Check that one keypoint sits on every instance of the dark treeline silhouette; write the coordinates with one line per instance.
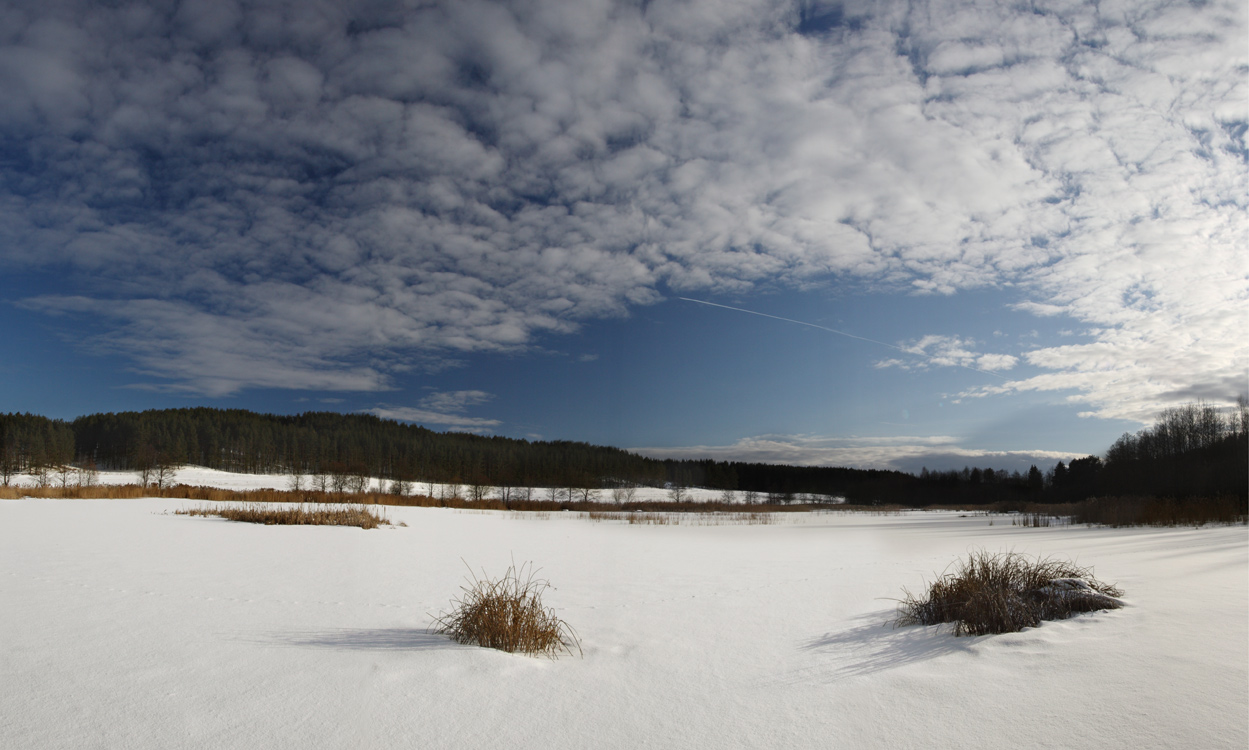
(1192, 450)
(30, 443)
(1063, 483)
(365, 445)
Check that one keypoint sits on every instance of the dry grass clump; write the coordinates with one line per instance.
(507, 614)
(318, 515)
(1005, 593)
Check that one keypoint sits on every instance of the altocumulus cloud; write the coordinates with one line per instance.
(324, 193)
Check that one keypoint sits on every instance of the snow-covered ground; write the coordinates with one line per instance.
(123, 625)
(199, 476)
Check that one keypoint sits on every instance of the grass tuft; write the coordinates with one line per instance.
(300, 515)
(507, 614)
(1005, 593)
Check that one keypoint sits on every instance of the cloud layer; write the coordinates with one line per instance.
(445, 409)
(903, 453)
(320, 195)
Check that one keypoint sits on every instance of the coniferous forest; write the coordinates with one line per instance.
(1193, 450)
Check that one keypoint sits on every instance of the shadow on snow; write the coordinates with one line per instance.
(373, 639)
(873, 645)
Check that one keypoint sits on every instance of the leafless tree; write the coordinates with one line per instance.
(87, 475)
(42, 474)
(585, 494)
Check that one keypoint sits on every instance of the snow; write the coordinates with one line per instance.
(199, 476)
(229, 480)
(124, 625)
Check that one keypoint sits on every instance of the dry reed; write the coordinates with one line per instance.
(1161, 511)
(507, 614)
(1004, 593)
(320, 515)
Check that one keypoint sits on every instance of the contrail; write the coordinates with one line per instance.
(839, 333)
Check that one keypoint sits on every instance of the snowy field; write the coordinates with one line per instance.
(199, 476)
(123, 625)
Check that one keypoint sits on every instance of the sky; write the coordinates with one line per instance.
(875, 234)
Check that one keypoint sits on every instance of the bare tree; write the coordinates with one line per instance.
(678, 493)
(728, 497)
(162, 475)
(750, 497)
(586, 494)
(165, 468)
(87, 475)
(359, 482)
(42, 474)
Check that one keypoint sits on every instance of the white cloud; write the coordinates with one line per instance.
(455, 401)
(305, 195)
(444, 409)
(904, 453)
(947, 351)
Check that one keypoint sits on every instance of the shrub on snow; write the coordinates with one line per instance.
(1004, 593)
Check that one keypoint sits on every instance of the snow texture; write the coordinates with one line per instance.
(124, 625)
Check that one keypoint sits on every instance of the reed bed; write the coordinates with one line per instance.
(1161, 511)
(362, 516)
(743, 518)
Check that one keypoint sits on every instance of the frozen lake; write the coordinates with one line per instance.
(126, 626)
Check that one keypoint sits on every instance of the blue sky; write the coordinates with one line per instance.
(490, 216)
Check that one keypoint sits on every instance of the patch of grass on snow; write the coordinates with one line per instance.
(1006, 592)
(318, 515)
(507, 614)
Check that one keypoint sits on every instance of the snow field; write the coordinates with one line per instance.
(126, 626)
(199, 476)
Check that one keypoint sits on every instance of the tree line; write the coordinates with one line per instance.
(1191, 450)
(1194, 450)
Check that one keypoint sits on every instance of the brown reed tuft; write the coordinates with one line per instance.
(317, 515)
(1005, 593)
(507, 614)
